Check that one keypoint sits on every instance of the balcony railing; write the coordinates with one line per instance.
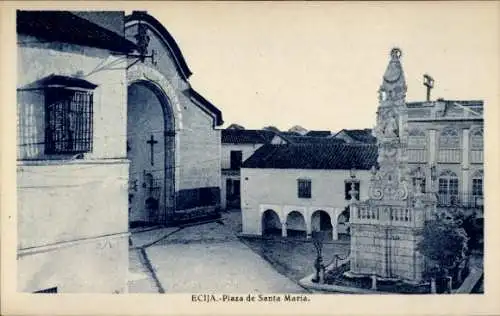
(466, 200)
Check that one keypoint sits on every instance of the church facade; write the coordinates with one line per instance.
(173, 145)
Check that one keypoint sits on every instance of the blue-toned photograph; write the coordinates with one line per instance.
(250, 153)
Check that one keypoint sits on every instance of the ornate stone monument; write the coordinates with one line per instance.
(385, 228)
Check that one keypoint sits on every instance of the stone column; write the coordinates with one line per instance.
(465, 148)
(465, 181)
(334, 222)
(374, 282)
(465, 160)
(283, 229)
(432, 147)
(307, 219)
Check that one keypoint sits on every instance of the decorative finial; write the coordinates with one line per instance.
(396, 53)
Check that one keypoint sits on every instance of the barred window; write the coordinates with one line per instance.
(63, 121)
(68, 121)
(304, 188)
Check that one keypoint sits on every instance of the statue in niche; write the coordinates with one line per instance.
(391, 128)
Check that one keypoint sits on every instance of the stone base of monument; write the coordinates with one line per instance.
(340, 280)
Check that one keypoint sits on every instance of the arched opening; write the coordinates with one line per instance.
(343, 228)
(150, 149)
(321, 222)
(296, 225)
(271, 225)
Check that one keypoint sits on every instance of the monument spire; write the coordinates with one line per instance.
(393, 85)
(391, 133)
(388, 222)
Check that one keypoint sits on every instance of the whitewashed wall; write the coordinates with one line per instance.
(247, 150)
(65, 207)
(276, 189)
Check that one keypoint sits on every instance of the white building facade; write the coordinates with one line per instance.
(72, 171)
(296, 189)
(237, 146)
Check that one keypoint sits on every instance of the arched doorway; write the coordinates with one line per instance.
(271, 225)
(150, 149)
(321, 222)
(296, 225)
(343, 228)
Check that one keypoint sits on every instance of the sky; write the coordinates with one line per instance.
(319, 65)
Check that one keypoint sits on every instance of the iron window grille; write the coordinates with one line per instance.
(68, 107)
(69, 121)
(304, 188)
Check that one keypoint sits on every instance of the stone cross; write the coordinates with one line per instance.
(152, 142)
(429, 83)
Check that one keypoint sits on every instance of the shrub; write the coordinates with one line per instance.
(444, 243)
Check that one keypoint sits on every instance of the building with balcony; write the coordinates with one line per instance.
(445, 149)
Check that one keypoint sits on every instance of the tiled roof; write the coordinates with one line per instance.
(285, 134)
(361, 135)
(313, 140)
(478, 103)
(314, 156)
(318, 133)
(246, 136)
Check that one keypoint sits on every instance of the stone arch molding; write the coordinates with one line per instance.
(141, 72)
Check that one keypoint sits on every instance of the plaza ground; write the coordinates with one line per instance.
(211, 258)
(204, 258)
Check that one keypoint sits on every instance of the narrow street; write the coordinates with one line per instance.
(206, 258)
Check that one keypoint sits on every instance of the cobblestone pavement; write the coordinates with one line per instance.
(209, 258)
